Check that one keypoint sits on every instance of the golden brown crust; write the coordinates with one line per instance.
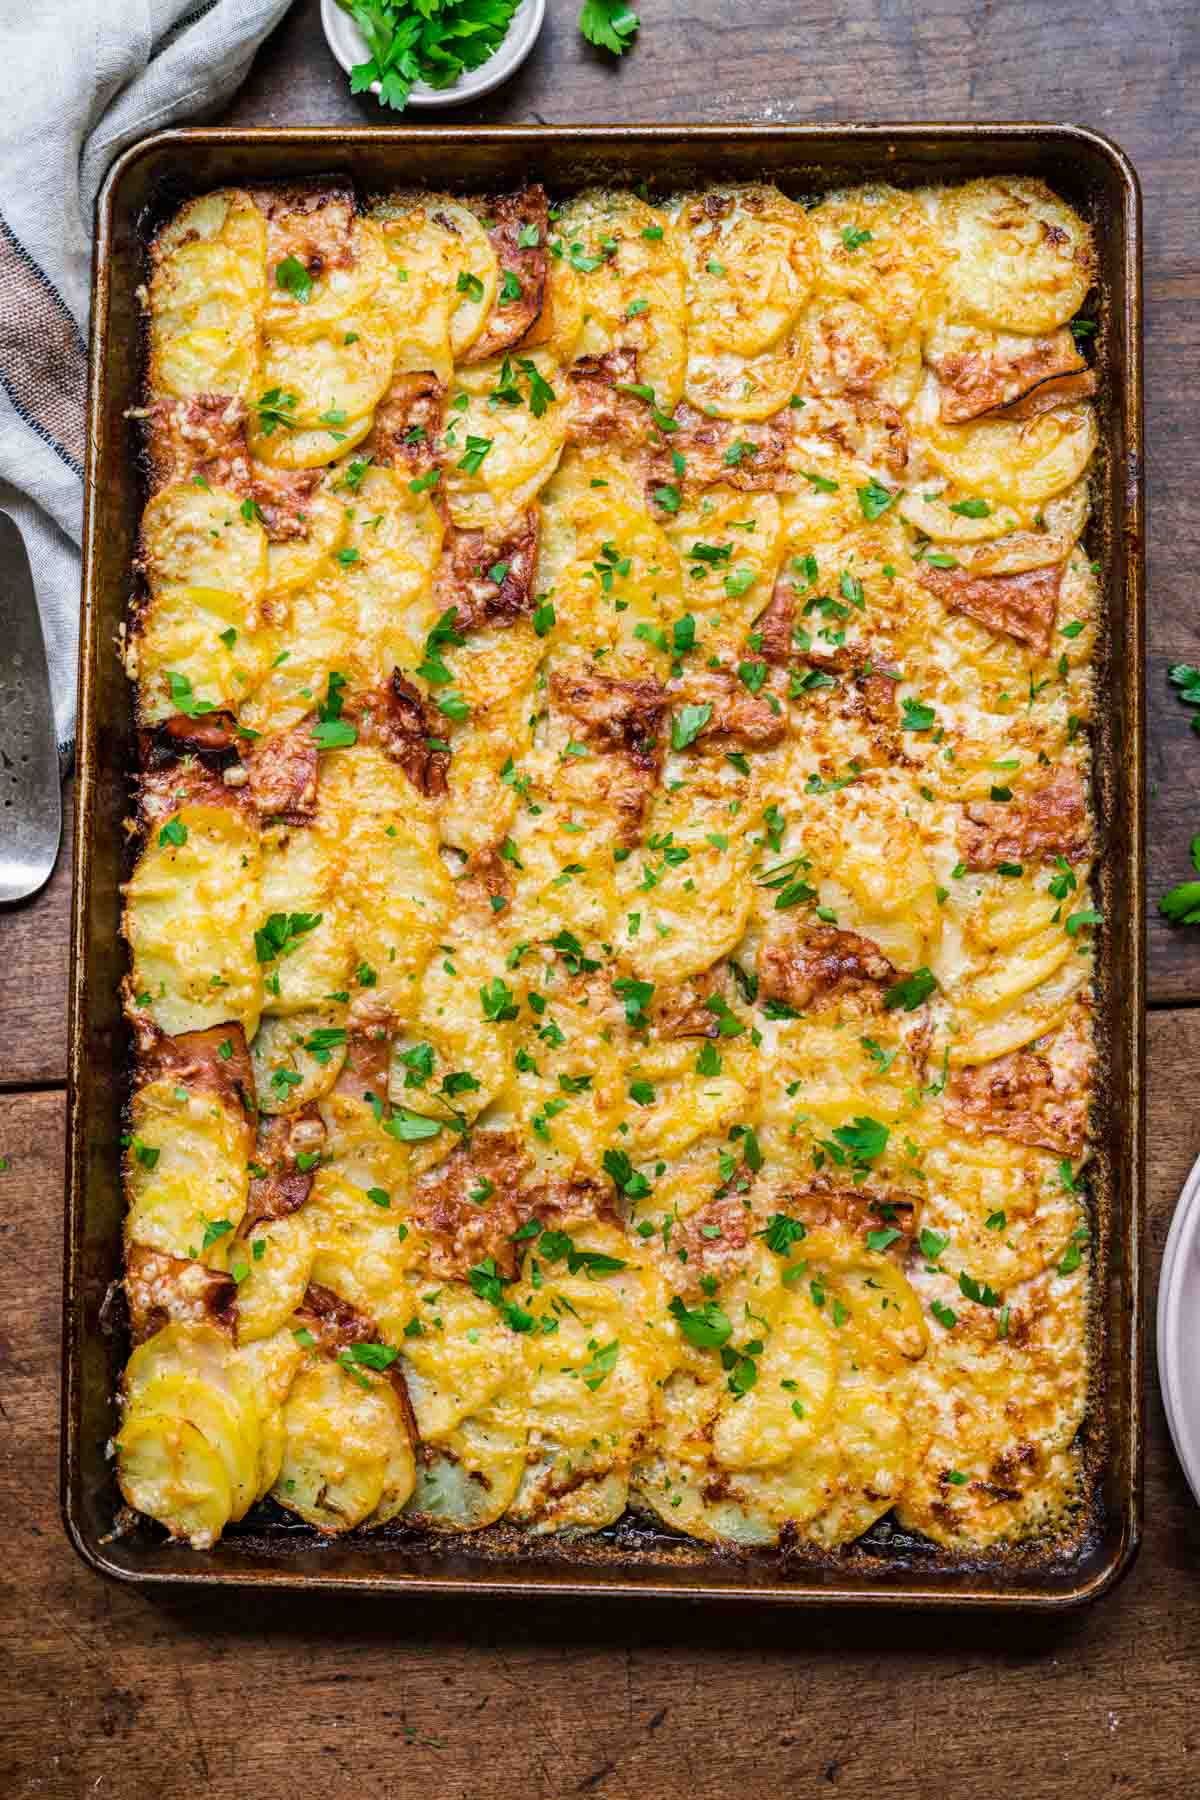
(1063, 390)
(714, 1241)
(487, 576)
(408, 423)
(337, 1327)
(749, 455)
(282, 498)
(188, 782)
(315, 225)
(1049, 821)
(802, 967)
(164, 1290)
(213, 1061)
(740, 720)
(463, 1231)
(485, 879)
(597, 412)
(855, 1211)
(776, 624)
(976, 382)
(526, 264)
(368, 1055)
(202, 439)
(396, 716)
(1038, 1096)
(1023, 606)
(625, 722)
(282, 774)
(163, 747)
(845, 426)
(283, 1186)
(684, 1012)
(571, 1200)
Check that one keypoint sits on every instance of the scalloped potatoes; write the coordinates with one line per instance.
(611, 949)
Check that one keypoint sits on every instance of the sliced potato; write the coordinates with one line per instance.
(168, 1470)
(1023, 259)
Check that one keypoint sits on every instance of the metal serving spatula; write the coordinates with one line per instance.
(30, 798)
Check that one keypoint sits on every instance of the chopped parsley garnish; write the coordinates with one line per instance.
(282, 934)
(636, 995)
(688, 723)
(184, 700)
(917, 715)
(862, 1142)
(472, 457)
(707, 1327)
(912, 991)
(781, 1232)
(1185, 679)
(874, 499)
(498, 1001)
(276, 408)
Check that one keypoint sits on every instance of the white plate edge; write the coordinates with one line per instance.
(1170, 1330)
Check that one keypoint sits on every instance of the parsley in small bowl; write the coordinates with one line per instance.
(442, 52)
(430, 52)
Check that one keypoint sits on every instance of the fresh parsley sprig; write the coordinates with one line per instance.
(1182, 904)
(609, 24)
(434, 41)
(1185, 679)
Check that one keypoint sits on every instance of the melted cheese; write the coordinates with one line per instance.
(603, 940)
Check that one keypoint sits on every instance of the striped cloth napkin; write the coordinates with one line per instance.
(80, 80)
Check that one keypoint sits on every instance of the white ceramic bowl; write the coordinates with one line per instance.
(1179, 1329)
(350, 47)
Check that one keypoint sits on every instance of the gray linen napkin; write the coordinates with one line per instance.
(79, 81)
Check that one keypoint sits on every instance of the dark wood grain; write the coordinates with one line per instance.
(111, 1692)
(34, 952)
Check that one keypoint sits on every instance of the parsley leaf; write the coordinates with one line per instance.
(874, 499)
(183, 698)
(781, 1232)
(1185, 678)
(424, 40)
(609, 24)
(912, 991)
(707, 1327)
(282, 933)
(688, 723)
(917, 715)
(865, 1139)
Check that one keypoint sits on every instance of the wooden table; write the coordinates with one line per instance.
(107, 1692)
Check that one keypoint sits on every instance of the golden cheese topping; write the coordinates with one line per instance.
(610, 933)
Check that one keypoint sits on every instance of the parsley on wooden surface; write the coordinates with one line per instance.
(609, 24)
(1185, 679)
(1182, 904)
